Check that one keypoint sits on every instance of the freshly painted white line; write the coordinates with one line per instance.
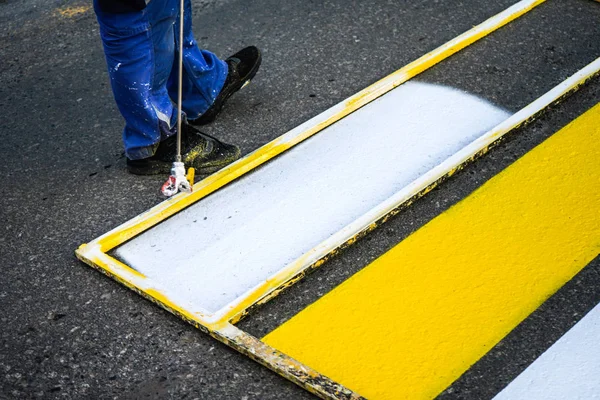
(570, 369)
(210, 254)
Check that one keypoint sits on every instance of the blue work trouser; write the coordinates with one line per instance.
(141, 51)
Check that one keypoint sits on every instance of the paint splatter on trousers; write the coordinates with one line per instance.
(141, 49)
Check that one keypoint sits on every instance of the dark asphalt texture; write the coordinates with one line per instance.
(69, 332)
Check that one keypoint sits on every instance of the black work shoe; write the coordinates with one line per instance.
(199, 150)
(242, 68)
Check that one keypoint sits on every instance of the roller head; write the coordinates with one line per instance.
(178, 181)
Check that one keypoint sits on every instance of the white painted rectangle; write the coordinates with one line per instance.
(213, 252)
(570, 369)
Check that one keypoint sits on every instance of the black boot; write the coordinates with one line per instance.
(242, 68)
(199, 150)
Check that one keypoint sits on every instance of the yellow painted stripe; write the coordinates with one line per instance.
(414, 320)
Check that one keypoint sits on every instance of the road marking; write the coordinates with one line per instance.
(414, 320)
(240, 236)
(570, 369)
(219, 324)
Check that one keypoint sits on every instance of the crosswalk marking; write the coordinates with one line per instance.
(414, 320)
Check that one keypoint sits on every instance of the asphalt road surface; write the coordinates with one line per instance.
(66, 331)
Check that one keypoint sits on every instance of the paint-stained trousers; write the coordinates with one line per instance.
(141, 49)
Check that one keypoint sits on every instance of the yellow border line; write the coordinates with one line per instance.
(226, 333)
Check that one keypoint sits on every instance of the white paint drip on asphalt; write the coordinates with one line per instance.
(216, 250)
(570, 369)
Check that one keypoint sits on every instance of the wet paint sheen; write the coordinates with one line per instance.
(414, 320)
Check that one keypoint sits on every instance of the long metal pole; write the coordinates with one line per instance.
(180, 80)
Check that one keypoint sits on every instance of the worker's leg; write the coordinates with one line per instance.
(139, 45)
(140, 52)
(136, 74)
(203, 73)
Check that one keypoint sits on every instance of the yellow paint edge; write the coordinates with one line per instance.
(272, 149)
(139, 283)
(226, 333)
